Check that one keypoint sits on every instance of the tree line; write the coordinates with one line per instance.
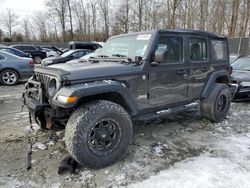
(96, 20)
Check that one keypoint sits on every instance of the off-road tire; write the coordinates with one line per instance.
(209, 105)
(82, 122)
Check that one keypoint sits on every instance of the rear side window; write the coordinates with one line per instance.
(219, 49)
(198, 49)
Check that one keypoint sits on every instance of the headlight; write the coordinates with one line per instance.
(65, 99)
(52, 87)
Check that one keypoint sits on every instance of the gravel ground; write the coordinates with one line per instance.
(160, 148)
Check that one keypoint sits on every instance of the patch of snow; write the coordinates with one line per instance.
(86, 176)
(38, 146)
(157, 150)
(229, 168)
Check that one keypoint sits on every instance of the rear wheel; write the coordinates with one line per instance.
(9, 77)
(216, 106)
(38, 59)
(98, 133)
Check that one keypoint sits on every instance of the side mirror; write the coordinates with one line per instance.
(161, 55)
(71, 57)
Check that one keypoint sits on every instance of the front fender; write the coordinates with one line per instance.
(98, 87)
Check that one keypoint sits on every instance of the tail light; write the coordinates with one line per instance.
(31, 62)
(230, 70)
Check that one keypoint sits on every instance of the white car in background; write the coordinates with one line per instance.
(50, 53)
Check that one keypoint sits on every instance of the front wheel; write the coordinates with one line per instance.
(97, 134)
(216, 106)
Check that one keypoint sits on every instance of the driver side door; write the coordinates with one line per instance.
(168, 80)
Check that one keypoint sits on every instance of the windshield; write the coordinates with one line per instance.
(126, 46)
(66, 53)
(242, 64)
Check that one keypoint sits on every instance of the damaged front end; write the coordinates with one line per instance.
(38, 96)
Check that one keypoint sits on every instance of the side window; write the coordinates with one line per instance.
(19, 47)
(75, 55)
(174, 47)
(219, 49)
(9, 51)
(81, 53)
(198, 49)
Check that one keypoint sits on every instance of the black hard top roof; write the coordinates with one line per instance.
(180, 31)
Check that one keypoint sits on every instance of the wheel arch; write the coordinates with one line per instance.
(102, 90)
(215, 77)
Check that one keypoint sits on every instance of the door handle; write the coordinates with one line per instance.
(181, 72)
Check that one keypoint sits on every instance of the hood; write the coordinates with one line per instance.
(88, 70)
(241, 75)
(54, 60)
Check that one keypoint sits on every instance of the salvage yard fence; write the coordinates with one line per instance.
(239, 46)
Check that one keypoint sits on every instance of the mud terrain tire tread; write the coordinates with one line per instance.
(208, 105)
(83, 119)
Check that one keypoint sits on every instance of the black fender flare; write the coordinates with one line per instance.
(212, 79)
(82, 90)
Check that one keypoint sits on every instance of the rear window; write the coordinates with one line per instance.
(219, 49)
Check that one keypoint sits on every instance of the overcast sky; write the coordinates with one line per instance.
(23, 7)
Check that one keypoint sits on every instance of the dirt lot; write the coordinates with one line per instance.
(181, 151)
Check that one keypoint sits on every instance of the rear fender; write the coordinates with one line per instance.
(214, 77)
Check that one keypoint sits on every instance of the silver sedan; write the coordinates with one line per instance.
(14, 68)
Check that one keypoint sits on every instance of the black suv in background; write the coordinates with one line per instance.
(83, 45)
(36, 52)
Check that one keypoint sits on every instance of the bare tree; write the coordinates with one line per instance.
(70, 19)
(104, 6)
(59, 8)
(26, 28)
(9, 20)
(234, 18)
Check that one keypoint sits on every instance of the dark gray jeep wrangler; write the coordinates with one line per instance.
(136, 77)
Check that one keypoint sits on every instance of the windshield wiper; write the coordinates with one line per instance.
(119, 55)
(103, 56)
(137, 60)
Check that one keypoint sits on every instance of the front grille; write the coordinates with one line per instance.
(43, 79)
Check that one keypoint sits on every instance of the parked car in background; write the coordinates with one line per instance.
(15, 51)
(241, 76)
(53, 48)
(234, 57)
(85, 57)
(84, 45)
(67, 56)
(14, 68)
(50, 53)
(36, 52)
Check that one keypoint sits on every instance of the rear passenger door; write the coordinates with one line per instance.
(198, 64)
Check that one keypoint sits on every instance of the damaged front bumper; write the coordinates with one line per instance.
(33, 100)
